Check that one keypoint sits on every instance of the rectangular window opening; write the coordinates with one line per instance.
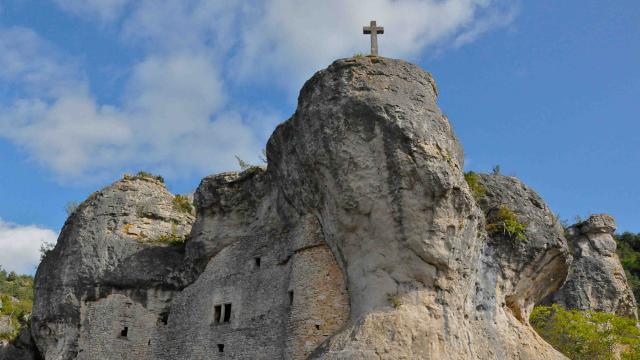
(227, 313)
(257, 262)
(164, 318)
(290, 297)
(217, 312)
(124, 332)
(220, 347)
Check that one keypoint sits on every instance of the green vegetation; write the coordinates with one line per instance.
(248, 169)
(629, 254)
(146, 175)
(16, 301)
(171, 239)
(473, 180)
(394, 300)
(358, 55)
(507, 223)
(587, 334)
(182, 203)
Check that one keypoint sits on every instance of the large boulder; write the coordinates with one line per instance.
(369, 153)
(596, 279)
(115, 242)
(529, 265)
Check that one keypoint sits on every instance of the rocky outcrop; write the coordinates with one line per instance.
(596, 279)
(21, 348)
(528, 268)
(114, 244)
(360, 240)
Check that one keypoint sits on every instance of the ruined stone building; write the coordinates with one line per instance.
(361, 239)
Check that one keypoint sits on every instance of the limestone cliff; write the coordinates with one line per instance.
(360, 240)
(108, 255)
(596, 279)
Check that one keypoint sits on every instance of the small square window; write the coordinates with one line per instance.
(227, 313)
(220, 347)
(217, 313)
(124, 332)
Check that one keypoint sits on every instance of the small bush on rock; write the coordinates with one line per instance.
(473, 180)
(147, 175)
(182, 203)
(507, 223)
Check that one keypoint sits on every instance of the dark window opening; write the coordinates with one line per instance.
(124, 332)
(164, 318)
(217, 311)
(317, 327)
(220, 347)
(227, 313)
(290, 297)
(257, 262)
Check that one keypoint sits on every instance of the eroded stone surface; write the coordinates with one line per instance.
(596, 279)
(361, 240)
(109, 245)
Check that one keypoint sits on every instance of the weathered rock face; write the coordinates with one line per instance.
(22, 348)
(371, 156)
(107, 255)
(596, 279)
(527, 269)
(361, 240)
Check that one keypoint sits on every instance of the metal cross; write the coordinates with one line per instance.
(374, 31)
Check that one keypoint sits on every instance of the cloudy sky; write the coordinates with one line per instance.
(90, 89)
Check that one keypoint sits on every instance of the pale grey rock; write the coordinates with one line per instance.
(5, 323)
(108, 245)
(361, 240)
(596, 279)
(526, 270)
(22, 348)
(370, 154)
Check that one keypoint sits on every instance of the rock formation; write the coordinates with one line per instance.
(110, 254)
(360, 240)
(596, 280)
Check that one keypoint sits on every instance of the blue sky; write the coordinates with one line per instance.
(91, 89)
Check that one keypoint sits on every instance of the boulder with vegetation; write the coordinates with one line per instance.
(125, 239)
(362, 239)
(596, 279)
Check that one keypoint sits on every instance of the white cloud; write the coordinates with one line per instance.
(292, 39)
(21, 246)
(170, 122)
(103, 9)
(177, 116)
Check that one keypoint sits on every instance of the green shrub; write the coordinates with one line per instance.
(507, 223)
(473, 180)
(588, 335)
(629, 254)
(147, 175)
(171, 239)
(394, 300)
(182, 203)
(16, 301)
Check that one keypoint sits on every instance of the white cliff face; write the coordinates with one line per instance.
(360, 240)
(109, 245)
(370, 154)
(596, 279)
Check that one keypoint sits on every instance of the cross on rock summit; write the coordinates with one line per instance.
(374, 31)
